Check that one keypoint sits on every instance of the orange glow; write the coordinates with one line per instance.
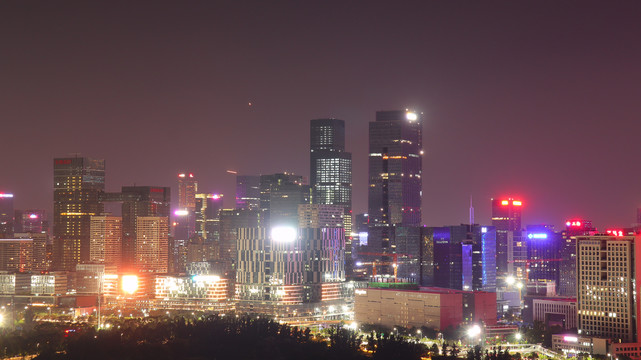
(181, 175)
(504, 202)
(129, 283)
(516, 203)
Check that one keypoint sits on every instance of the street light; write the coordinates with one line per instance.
(518, 336)
(474, 331)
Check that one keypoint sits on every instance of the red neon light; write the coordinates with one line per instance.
(615, 232)
(158, 190)
(504, 202)
(516, 203)
(63, 162)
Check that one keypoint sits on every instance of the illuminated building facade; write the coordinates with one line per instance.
(208, 208)
(280, 195)
(289, 269)
(395, 177)
(137, 202)
(16, 255)
(432, 307)
(330, 166)
(30, 221)
(78, 186)
(106, 240)
(464, 257)
(38, 250)
(607, 279)
(230, 221)
(152, 244)
(567, 267)
(187, 190)
(543, 253)
(506, 217)
(192, 292)
(248, 192)
(6, 215)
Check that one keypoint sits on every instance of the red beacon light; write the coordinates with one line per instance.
(573, 223)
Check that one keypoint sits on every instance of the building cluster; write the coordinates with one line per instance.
(292, 248)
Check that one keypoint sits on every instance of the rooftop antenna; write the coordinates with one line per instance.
(471, 212)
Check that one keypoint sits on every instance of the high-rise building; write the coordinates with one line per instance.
(208, 208)
(106, 240)
(280, 196)
(464, 257)
(543, 253)
(230, 221)
(330, 166)
(506, 217)
(137, 202)
(395, 176)
(187, 190)
(567, 269)
(31, 221)
(607, 280)
(248, 192)
(152, 244)
(38, 240)
(78, 186)
(6, 215)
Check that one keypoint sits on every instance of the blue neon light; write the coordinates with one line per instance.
(537, 236)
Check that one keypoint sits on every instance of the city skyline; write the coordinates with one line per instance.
(514, 106)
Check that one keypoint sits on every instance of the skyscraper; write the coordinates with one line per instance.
(606, 283)
(506, 217)
(567, 270)
(543, 252)
(106, 240)
(152, 244)
(6, 215)
(78, 186)
(331, 167)
(395, 177)
(140, 201)
(187, 189)
(248, 192)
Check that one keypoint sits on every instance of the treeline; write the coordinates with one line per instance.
(211, 337)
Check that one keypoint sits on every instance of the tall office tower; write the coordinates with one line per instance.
(208, 208)
(248, 192)
(606, 283)
(331, 167)
(280, 195)
(268, 183)
(543, 253)
(78, 186)
(30, 221)
(152, 244)
(38, 249)
(395, 177)
(230, 221)
(106, 240)
(567, 269)
(464, 257)
(140, 201)
(506, 217)
(187, 190)
(6, 215)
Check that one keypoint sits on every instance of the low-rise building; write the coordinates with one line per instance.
(571, 344)
(432, 307)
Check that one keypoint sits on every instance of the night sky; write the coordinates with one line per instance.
(535, 99)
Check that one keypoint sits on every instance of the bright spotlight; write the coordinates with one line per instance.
(518, 336)
(411, 116)
(510, 280)
(129, 283)
(283, 234)
(474, 331)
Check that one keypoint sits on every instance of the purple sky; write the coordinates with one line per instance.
(536, 99)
